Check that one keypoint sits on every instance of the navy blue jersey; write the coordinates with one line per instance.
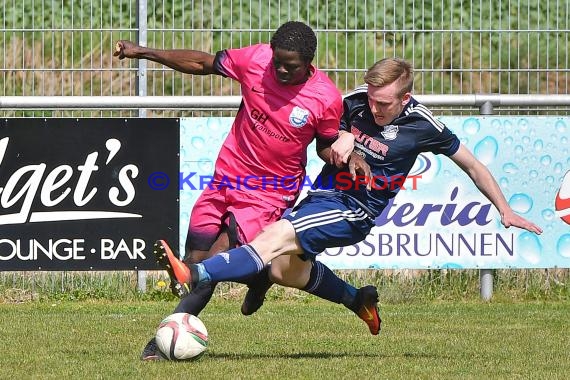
(390, 150)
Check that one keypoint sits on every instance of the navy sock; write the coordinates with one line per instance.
(325, 284)
(197, 299)
(232, 265)
(258, 280)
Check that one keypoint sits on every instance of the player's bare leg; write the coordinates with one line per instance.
(294, 272)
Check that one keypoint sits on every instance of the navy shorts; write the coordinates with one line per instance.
(327, 220)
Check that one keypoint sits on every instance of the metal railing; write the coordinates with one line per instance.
(232, 102)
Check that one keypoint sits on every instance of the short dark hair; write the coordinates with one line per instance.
(296, 36)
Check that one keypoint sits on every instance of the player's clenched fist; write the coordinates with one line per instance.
(123, 49)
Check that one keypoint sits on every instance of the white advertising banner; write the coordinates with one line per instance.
(439, 219)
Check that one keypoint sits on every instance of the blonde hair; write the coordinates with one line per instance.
(387, 71)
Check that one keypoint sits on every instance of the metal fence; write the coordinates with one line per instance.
(457, 47)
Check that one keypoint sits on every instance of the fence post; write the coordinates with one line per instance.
(486, 283)
(141, 91)
(486, 275)
(486, 108)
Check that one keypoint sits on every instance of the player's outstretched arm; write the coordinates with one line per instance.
(183, 60)
(486, 183)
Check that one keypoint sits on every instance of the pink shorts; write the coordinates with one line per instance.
(211, 212)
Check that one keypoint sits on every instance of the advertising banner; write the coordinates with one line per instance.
(440, 220)
(87, 194)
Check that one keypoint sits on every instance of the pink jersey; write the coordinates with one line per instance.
(266, 149)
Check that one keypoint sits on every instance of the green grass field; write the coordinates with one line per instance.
(291, 339)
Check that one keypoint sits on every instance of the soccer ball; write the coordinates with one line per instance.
(182, 336)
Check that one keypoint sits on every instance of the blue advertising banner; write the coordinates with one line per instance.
(440, 220)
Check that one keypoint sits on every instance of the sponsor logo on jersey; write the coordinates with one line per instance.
(298, 117)
(390, 132)
(369, 142)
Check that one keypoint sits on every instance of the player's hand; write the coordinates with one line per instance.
(511, 219)
(357, 165)
(124, 49)
(341, 149)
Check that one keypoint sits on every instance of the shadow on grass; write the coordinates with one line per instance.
(318, 355)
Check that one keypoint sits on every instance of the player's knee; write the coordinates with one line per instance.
(275, 240)
(280, 230)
